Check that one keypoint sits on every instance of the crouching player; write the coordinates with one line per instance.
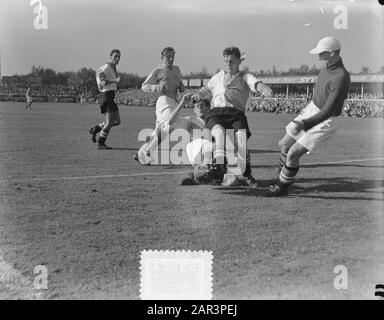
(319, 120)
(189, 123)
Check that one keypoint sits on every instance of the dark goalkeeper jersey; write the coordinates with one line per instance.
(331, 90)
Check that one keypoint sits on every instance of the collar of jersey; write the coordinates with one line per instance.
(336, 64)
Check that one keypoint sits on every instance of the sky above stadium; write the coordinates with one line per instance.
(276, 33)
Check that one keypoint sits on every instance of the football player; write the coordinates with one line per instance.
(107, 78)
(319, 120)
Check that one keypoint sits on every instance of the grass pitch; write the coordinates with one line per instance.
(86, 214)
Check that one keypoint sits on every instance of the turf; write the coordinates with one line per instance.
(86, 214)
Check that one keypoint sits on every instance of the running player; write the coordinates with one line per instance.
(229, 90)
(28, 96)
(165, 79)
(188, 123)
(319, 120)
(106, 77)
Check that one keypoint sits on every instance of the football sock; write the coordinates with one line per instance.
(103, 136)
(282, 160)
(206, 152)
(219, 155)
(99, 127)
(248, 169)
(287, 176)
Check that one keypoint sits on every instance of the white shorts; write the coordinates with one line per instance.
(317, 134)
(196, 149)
(164, 108)
(29, 100)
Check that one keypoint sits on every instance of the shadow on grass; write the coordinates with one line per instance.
(127, 149)
(338, 165)
(325, 165)
(250, 150)
(263, 151)
(335, 188)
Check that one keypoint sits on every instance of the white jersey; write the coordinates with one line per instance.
(109, 74)
(234, 94)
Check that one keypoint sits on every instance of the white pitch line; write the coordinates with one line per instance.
(342, 161)
(160, 173)
(98, 177)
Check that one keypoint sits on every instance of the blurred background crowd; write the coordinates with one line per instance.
(364, 106)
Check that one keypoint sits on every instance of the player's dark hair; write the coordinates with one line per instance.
(235, 51)
(113, 51)
(206, 102)
(337, 52)
(167, 50)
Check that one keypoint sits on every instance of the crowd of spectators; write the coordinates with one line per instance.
(136, 97)
(364, 108)
(367, 95)
(372, 105)
(290, 104)
(40, 90)
(352, 107)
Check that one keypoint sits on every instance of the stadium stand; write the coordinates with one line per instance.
(291, 94)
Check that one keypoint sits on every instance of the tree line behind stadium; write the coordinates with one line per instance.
(292, 89)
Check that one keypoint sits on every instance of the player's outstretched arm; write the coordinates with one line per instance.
(265, 90)
(186, 98)
(255, 85)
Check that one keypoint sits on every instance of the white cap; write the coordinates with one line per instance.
(326, 44)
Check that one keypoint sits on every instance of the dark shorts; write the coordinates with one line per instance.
(107, 102)
(229, 118)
